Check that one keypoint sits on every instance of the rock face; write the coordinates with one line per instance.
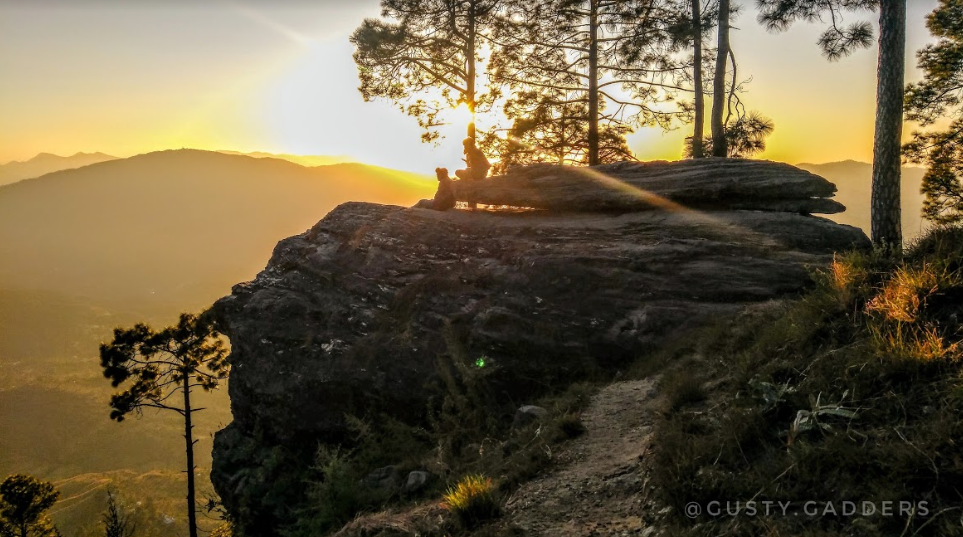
(633, 186)
(360, 313)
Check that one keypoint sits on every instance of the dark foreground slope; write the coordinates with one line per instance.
(374, 310)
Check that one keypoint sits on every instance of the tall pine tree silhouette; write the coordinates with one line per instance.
(155, 367)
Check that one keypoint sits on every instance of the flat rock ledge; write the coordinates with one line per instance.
(702, 184)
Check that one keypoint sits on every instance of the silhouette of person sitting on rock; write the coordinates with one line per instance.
(477, 163)
(444, 197)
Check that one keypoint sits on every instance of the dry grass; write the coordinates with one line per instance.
(473, 501)
(682, 388)
(904, 295)
(426, 519)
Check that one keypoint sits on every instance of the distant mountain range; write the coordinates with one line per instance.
(178, 227)
(45, 163)
(304, 160)
(854, 183)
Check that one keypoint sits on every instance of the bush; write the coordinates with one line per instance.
(473, 501)
(334, 496)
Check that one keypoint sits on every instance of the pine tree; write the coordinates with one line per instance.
(424, 56)
(699, 105)
(838, 42)
(886, 219)
(23, 502)
(117, 523)
(155, 366)
(745, 136)
(719, 101)
(560, 57)
(939, 95)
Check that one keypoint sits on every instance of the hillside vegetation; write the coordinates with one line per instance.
(852, 394)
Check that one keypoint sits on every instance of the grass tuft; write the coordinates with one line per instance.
(682, 389)
(473, 501)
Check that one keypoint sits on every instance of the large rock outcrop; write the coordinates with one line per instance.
(355, 315)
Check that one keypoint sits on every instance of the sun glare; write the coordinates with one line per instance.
(461, 116)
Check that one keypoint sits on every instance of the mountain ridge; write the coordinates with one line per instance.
(61, 231)
(44, 163)
(853, 181)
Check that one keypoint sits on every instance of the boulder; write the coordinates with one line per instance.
(415, 481)
(638, 186)
(527, 415)
(385, 478)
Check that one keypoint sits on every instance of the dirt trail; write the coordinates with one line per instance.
(598, 487)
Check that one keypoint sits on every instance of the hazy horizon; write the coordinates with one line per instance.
(343, 159)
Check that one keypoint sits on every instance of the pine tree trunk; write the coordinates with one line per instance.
(886, 226)
(700, 104)
(470, 61)
(719, 148)
(593, 93)
(189, 440)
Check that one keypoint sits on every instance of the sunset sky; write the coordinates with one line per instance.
(130, 77)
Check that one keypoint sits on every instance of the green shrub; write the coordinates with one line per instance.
(334, 496)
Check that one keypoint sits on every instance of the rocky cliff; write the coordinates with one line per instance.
(354, 316)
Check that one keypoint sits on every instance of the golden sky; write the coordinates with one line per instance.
(130, 77)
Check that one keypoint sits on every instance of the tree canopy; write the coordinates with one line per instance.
(24, 501)
(562, 58)
(940, 95)
(836, 41)
(423, 55)
(745, 136)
